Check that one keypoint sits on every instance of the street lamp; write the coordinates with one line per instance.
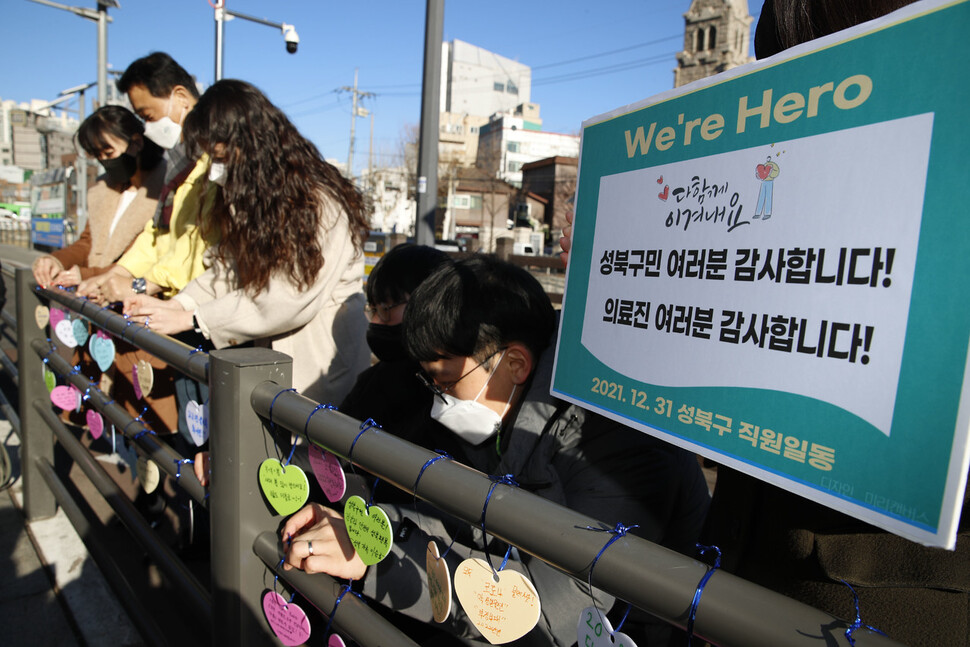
(101, 17)
(223, 15)
(82, 160)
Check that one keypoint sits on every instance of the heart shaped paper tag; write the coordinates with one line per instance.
(50, 380)
(102, 349)
(503, 610)
(329, 474)
(595, 630)
(287, 620)
(65, 332)
(56, 316)
(66, 397)
(148, 474)
(197, 419)
(336, 641)
(285, 489)
(106, 382)
(42, 316)
(95, 423)
(369, 530)
(146, 377)
(763, 171)
(81, 332)
(439, 583)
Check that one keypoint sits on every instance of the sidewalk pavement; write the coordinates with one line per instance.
(51, 591)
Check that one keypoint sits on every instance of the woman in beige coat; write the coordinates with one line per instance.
(288, 270)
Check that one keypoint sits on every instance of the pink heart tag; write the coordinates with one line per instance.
(287, 620)
(65, 397)
(763, 170)
(336, 641)
(95, 423)
(134, 382)
(329, 474)
(56, 316)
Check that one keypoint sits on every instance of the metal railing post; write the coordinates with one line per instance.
(238, 512)
(37, 440)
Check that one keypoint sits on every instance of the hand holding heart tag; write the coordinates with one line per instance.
(287, 620)
(329, 474)
(439, 583)
(95, 423)
(595, 630)
(286, 489)
(503, 610)
(369, 530)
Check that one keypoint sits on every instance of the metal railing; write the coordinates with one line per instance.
(244, 385)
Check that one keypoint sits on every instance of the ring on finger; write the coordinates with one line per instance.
(309, 546)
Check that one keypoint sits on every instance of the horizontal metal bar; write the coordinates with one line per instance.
(197, 598)
(141, 617)
(10, 368)
(9, 320)
(180, 356)
(262, 21)
(733, 611)
(167, 459)
(355, 619)
(10, 413)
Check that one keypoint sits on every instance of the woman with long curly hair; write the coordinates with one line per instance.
(287, 271)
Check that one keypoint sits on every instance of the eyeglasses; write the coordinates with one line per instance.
(440, 390)
(382, 311)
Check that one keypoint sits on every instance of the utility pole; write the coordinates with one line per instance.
(355, 112)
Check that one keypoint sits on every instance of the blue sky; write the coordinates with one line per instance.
(587, 58)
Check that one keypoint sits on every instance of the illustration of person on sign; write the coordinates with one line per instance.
(767, 173)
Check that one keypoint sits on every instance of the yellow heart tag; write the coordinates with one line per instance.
(369, 530)
(285, 489)
(439, 583)
(503, 608)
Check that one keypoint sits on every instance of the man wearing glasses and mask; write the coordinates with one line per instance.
(482, 331)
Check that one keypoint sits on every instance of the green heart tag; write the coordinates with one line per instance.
(285, 489)
(369, 530)
(50, 380)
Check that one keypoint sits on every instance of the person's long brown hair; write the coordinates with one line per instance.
(269, 216)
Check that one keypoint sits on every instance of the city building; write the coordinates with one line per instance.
(552, 179)
(717, 36)
(477, 82)
(509, 141)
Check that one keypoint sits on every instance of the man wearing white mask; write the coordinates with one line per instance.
(482, 331)
(168, 253)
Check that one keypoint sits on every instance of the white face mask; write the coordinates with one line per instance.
(164, 132)
(470, 419)
(218, 173)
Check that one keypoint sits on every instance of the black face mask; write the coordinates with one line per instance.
(385, 342)
(120, 169)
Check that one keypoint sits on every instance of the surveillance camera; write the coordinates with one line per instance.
(291, 37)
